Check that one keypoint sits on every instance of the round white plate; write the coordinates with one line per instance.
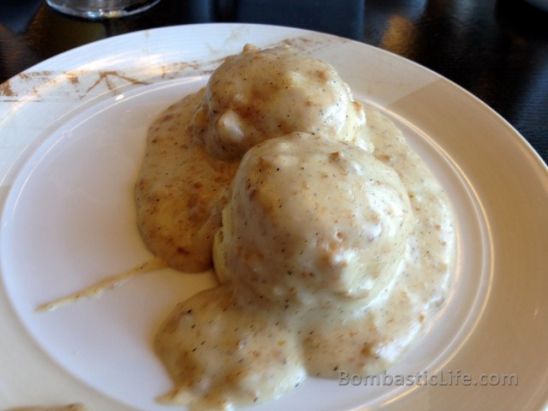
(72, 137)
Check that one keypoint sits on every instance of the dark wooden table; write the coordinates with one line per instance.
(498, 50)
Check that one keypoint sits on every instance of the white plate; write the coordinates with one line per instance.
(72, 137)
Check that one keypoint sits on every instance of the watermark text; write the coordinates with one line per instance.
(440, 379)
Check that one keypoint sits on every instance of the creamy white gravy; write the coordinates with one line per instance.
(194, 147)
(227, 346)
(180, 191)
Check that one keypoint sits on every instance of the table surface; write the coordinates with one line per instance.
(498, 50)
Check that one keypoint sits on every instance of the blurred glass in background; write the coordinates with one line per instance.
(98, 9)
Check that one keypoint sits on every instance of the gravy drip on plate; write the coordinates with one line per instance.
(107, 283)
(71, 407)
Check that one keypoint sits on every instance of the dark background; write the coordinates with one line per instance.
(497, 49)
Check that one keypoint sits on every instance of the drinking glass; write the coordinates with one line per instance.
(98, 9)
